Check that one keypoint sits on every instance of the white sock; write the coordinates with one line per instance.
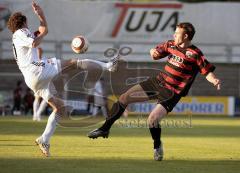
(93, 64)
(50, 127)
(41, 108)
(35, 107)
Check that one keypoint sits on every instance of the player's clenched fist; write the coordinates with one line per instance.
(217, 83)
(154, 53)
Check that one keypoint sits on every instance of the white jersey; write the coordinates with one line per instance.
(23, 51)
(38, 74)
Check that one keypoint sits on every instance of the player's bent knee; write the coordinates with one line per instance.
(152, 120)
(55, 110)
(123, 99)
(72, 61)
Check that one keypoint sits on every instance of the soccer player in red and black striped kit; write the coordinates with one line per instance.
(184, 62)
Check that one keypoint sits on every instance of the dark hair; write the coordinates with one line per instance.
(188, 28)
(16, 21)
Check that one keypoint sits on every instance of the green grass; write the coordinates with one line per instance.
(210, 144)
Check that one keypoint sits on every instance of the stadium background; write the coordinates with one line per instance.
(139, 25)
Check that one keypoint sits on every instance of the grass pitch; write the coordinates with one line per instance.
(199, 145)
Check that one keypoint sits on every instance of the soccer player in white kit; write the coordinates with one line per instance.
(38, 74)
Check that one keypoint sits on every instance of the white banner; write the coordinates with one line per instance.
(215, 22)
(140, 25)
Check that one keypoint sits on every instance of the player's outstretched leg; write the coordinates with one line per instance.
(90, 64)
(118, 108)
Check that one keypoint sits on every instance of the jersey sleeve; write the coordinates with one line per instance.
(23, 37)
(205, 67)
(162, 48)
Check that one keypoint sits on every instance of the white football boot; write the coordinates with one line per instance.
(44, 147)
(114, 63)
(158, 153)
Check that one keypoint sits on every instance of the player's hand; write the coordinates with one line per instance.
(217, 83)
(154, 53)
(37, 9)
(214, 80)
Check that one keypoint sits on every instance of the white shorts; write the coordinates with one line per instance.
(40, 78)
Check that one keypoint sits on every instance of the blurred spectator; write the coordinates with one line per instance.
(17, 99)
(28, 101)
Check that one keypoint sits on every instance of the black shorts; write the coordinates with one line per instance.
(156, 91)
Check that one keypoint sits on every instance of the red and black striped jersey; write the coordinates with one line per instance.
(182, 66)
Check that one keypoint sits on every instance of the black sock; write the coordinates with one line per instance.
(115, 113)
(156, 136)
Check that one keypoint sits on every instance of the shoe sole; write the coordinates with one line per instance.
(95, 137)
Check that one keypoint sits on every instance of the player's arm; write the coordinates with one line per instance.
(207, 69)
(160, 51)
(39, 51)
(43, 29)
(214, 80)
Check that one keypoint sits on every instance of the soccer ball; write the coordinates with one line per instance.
(79, 44)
